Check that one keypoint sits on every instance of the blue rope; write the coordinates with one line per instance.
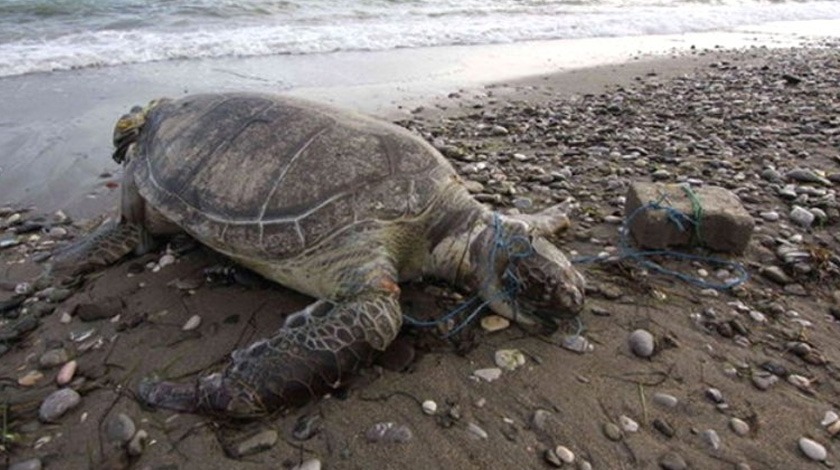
(681, 220)
(515, 247)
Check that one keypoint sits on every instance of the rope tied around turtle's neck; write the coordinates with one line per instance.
(515, 248)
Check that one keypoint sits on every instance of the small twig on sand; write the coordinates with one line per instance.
(644, 403)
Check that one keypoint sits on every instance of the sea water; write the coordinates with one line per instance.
(46, 35)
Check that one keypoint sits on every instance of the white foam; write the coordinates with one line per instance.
(459, 23)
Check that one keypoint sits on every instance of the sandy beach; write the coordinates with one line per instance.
(738, 377)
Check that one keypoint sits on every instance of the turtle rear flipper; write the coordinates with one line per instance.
(315, 352)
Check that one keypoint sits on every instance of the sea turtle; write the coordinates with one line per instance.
(333, 204)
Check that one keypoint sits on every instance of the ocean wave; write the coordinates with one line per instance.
(414, 24)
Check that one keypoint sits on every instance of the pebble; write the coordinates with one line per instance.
(770, 216)
(310, 464)
(476, 431)
(802, 216)
(833, 428)
(120, 428)
(429, 407)
(714, 394)
(23, 288)
(192, 323)
(66, 373)
(739, 426)
(712, 438)
(58, 403)
(641, 343)
(812, 449)
(58, 295)
(628, 424)
(539, 419)
(577, 343)
(829, 418)
(612, 432)
(564, 454)
(551, 457)
(137, 443)
(492, 323)
(665, 399)
(763, 382)
(58, 232)
(388, 432)
(30, 378)
(662, 426)
(307, 426)
(166, 260)
(509, 359)
(672, 461)
(53, 358)
(31, 464)
(259, 442)
(488, 375)
(776, 274)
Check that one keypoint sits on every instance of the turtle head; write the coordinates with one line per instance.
(525, 277)
(128, 127)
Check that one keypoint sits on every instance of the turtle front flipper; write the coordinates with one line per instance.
(106, 245)
(316, 351)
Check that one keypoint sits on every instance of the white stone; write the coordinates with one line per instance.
(488, 375)
(829, 418)
(509, 359)
(191, 324)
(429, 407)
(812, 449)
(564, 454)
(739, 426)
(628, 424)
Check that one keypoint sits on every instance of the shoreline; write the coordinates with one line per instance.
(55, 133)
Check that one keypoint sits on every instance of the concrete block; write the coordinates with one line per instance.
(725, 225)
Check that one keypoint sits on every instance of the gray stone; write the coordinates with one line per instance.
(712, 438)
(641, 343)
(612, 432)
(577, 343)
(664, 427)
(389, 432)
(120, 428)
(714, 394)
(666, 400)
(807, 176)
(672, 461)
(53, 358)
(725, 225)
(776, 274)
(58, 403)
(258, 442)
(540, 418)
(770, 216)
(802, 216)
(31, 464)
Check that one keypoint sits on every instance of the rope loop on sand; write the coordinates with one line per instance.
(682, 221)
